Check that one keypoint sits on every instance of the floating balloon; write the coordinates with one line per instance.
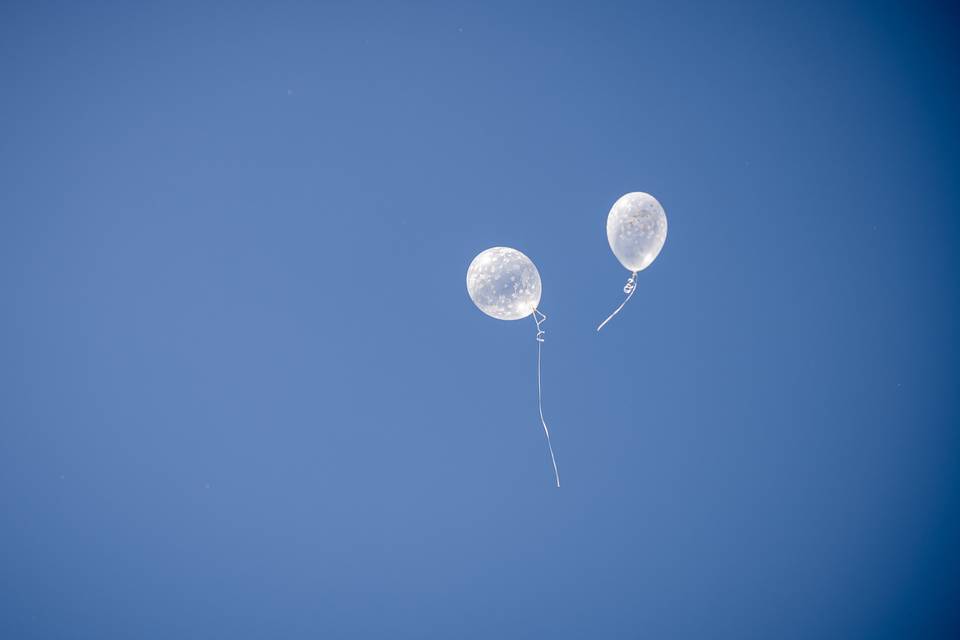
(505, 284)
(636, 231)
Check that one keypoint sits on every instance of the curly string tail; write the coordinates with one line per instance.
(628, 289)
(540, 318)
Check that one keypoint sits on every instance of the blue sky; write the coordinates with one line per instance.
(244, 393)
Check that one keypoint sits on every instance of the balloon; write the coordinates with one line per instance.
(504, 283)
(636, 230)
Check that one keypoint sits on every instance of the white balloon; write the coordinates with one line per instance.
(636, 230)
(504, 283)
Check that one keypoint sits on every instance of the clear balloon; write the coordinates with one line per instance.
(636, 230)
(504, 283)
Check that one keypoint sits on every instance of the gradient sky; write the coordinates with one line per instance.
(244, 394)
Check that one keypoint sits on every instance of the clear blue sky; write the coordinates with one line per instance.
(244, 394)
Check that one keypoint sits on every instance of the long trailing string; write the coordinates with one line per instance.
(628, 289)
(539, 317)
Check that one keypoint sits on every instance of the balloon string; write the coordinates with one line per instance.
(628, 289)
(539, 317)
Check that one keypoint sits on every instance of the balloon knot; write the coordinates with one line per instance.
(539, 317)
(631, 284)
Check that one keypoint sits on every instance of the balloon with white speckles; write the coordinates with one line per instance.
(504, 283)
(636, 230)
